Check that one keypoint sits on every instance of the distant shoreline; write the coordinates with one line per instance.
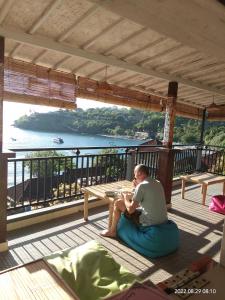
(126, 137)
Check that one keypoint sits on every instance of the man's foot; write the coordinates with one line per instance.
(108, 233)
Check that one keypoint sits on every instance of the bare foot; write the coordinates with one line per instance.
(107, 233)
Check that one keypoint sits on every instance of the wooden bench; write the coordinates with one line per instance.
(205, 179)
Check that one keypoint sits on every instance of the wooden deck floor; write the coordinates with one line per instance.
(200, 232)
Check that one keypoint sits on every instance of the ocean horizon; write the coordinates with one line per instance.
(16, 138)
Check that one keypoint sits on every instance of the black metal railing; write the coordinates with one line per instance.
(149, 159)
(199, 158)
(213, 159)
(185, 161)
(36, 182)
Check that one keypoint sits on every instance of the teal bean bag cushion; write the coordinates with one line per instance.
(152, 241)
(91, 271)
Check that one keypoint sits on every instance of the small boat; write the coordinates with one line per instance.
(58, 140)
(13, 139)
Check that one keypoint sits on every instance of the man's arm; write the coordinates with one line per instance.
(130, 204)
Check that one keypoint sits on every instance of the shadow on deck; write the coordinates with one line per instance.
(200, 233)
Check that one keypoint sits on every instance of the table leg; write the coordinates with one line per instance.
(204, 191)
(182, 188)
(86, 196)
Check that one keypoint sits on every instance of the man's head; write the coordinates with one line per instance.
(141, 172)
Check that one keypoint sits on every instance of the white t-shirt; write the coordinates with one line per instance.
(151, 198)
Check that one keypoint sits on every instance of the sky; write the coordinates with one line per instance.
(13, 111)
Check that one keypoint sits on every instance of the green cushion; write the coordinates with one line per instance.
(90, 271)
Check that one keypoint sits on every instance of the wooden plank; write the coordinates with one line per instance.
(35, 280)
(206, 178)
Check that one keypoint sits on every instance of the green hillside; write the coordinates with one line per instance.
(121, 121)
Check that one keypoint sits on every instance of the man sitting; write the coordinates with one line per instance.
(149, 203)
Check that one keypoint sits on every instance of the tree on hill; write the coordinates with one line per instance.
(120, 121)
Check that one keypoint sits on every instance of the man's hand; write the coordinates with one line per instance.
(134, 182)
(130, 204)
(127, 196)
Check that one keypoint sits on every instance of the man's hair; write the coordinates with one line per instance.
(142, 169)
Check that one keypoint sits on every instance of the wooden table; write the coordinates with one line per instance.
(205, 179)
(99, 191)
(34, 280)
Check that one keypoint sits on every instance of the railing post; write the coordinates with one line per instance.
(165, 171)
(199, 159)
(3, 199)
(130, 165)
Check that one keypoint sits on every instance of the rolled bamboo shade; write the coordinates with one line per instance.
(109, 93)
(105, 92)
(29, 83)
(25, 82)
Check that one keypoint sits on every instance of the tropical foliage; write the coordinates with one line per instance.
(52, 165)
(121, 121)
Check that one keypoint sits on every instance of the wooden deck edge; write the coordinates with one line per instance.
(29, 219)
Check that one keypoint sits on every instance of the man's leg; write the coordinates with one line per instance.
(119, 207)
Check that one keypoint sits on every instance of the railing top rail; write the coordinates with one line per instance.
(221, 147)
(197, 145)
(65, 157)
(85, 148)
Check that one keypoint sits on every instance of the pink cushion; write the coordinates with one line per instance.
(218, 204)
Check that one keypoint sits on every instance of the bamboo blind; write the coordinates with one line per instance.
(29, 83)
(102, 91)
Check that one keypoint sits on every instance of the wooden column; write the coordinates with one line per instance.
(165, 171)
(130, 165)
(2, 50)
(3, 161)
(201, 142)
(170, 114)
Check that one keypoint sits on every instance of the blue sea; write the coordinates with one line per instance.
(14, 138)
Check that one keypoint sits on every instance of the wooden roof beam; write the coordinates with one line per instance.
(123, 41)
(137, 83)
(159, 54)
(116, 74)
(216, 81)
(185, 69)
(95, 72)
(38, 23)
(95, 38)
(208, 70)
(69, 30)
(62, 61)
(7, 5)
(126, 79)
(166, 17)
(151, 44)
(179, 59)
(86, 63)
(49, 44)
